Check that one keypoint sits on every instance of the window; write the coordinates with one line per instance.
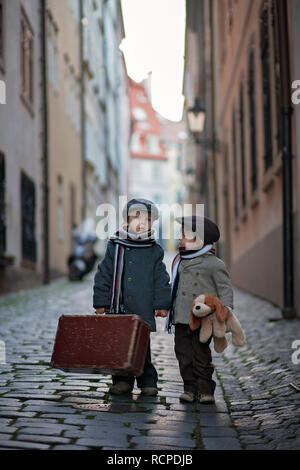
(72, 207)
(2, 92)
(135, 170)
(242, 143)
(230, 15)
(139, 114)
(2, 34)
(179, 158)
(276, 73)
(26, 59)
(91, 142)
(156, 171)
(234, 154)
(60, 209)
(140, 96)
(52, 53)
(222, 31)
(2, 205)
(153, 144)
(252, 121)
(135, 143)
(266, 76)
(28, 218)
(74, 6)
(179, 197)
(72, 97)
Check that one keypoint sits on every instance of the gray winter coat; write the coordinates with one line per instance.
(201, 275)
(145, 285)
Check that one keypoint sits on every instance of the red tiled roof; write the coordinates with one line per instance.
(144, 120)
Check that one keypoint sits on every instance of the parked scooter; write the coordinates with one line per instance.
(83, 256)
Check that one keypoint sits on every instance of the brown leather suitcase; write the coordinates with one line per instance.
(107, 344)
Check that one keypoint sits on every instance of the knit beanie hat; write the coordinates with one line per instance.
(195, 224)
(140, 204)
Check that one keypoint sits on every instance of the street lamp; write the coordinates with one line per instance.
(196, 117)
(196, 121)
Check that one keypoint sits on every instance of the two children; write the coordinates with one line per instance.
(132, 278)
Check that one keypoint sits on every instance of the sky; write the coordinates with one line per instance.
(154, 43)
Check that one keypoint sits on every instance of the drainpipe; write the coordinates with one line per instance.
(45, 171)
(82, 110)
(213, 112)
(288, 310)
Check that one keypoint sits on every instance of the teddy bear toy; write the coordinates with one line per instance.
(215, 320)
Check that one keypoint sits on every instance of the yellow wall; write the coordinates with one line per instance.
(64, 140)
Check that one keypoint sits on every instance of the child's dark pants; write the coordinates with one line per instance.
(194, 360)
(148, 378)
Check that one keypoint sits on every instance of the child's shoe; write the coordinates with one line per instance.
(187, 397)
(119, 388)
(149, 391)
(206, 398)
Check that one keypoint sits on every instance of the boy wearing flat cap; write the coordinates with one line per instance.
(196, 270)
(132, 278)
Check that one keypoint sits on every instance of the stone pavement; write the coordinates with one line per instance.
(256, 408)
(255, 379)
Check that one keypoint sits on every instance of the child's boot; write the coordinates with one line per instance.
(206, 398)
(187, 397)
(119, 388)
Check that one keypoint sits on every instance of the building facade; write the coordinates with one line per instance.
(195, 85)
(148, 169)
(94, 105)
(244, 130)
(67, 100)
(174, 139)
(106, 116)
(20, 144)
(295, 62)
(64, 129)
(112, 115)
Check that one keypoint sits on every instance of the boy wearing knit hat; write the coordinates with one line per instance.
(132, 278)
(196, 270)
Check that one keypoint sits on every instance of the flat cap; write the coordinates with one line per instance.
(195, 223)
(140, 204)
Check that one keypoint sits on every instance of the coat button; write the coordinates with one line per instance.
(130, 262)
(129, 279)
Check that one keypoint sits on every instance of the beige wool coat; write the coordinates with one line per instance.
(206, 274)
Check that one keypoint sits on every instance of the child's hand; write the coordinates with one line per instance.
(161, 313)
(100, 311)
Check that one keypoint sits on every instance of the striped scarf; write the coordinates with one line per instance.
(121, 240)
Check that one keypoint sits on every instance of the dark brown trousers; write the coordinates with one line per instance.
(194, 359)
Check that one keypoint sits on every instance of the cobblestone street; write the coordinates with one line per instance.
(256, 408)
